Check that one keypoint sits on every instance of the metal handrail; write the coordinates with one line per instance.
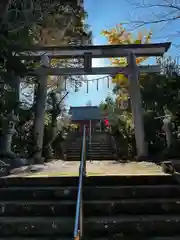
(78, 224)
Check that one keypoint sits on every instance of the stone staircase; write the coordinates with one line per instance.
(115, 207)
(100, 151)
(74, 150)
(101, 148)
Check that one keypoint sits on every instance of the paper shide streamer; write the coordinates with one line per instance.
(65, 85)
(97, 84)
(76, 87)
(87, 85)
(105, 78)
(108, 82)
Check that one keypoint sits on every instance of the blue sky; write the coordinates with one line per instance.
(105, 14)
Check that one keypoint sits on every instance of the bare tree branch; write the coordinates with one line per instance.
(168, 17)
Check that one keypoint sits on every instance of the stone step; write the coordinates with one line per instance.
(132, 226)
(132, 180)
(78, 148)
(74, 148)
(38, 182)
(36, 226)
(139, 238)
(77, 144)
(74, 153)
(46, 238)
(129, 180)
(77, 158)
(38, 208)
(100, 144)
(101, 157)
(71, 159)
(90, 193)
(92, 208)
(131, 207)
(105, 158)
(74, 156)
(95, 151)
(92, 144)
(100, 154)
(108, 156)
(86, 238)
(92, 150)
(38, 193)
(127, 192)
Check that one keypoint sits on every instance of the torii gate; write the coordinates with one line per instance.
(130, 51)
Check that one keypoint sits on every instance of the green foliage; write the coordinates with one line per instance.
(121, 126)
(160, 96)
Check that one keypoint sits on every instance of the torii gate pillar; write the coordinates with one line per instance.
(136, 105)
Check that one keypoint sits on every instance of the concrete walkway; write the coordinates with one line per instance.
(64, 168)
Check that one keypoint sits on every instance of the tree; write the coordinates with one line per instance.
(28, 22)
(151, 85)
(38, 132)
(160, 13)
(119, 35)
(160, 97)
(121, 126)
(55, 109)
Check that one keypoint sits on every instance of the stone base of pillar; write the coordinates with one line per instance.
(143, 154)
(167, 167)
(171, 166)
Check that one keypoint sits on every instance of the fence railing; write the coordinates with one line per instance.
(78, 224)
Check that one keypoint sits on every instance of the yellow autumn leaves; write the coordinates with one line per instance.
(119, 35)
